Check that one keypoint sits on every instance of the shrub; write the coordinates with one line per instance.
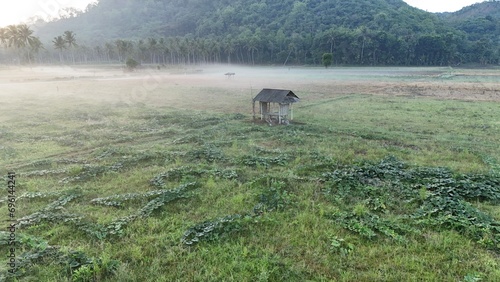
(327, 59)
(131, 64)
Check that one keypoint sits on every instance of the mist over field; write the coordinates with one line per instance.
(114, 82)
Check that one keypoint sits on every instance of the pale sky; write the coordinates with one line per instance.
(17, 11)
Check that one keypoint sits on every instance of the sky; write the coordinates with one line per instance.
(17, 11)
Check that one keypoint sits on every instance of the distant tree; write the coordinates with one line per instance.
(363, 36)
(131, 64)
(36, 46)
(59, 44)
(229, 48)
(252, 46)
(123, 47)
(3, 36)
(70, 40)
(331, 38)
(162, 47)
(12, 35)
(21, 38)
(327, 59)
(109, 49)
(152, 47)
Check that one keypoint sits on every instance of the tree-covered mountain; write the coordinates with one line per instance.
(120, 19)
(362, 32)
(489, 8)
(479, 21)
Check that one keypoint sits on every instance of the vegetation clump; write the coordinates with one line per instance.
(441, 199)
(75, 264)
(327, 59)
(272, 198)
(131, 64)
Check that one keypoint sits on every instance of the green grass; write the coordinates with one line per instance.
(428, 132)
(274, 177)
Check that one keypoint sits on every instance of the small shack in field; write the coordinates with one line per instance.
(275, 105)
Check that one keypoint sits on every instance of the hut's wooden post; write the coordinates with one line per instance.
(280, 113)
(253, 109)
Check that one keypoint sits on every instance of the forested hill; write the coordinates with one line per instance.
(478, 21)
(480, 10)
(119, 19)
(367, 32)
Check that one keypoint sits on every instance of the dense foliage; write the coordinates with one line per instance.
(382, 32)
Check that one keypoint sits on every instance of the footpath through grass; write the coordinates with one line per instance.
(364, 188)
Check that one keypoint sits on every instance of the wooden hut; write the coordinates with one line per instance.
(275, 105)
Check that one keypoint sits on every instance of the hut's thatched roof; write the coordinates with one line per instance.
(276, 96)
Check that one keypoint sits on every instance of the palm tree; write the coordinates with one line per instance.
(12, 35)
(174, 44)
(162, 46)
(364, 35)
(25, 36)
(3, 35)
(331, 35)
(20, 37)
(216, 50)
(252, 47)
(59, 44)
(152, 47)
(124, 48)
(109, 49)
(199, 50)
(12, 38)
(229, 49)
(141, 49)
(36, 45)
(183, 49)
(70, 40)
(189, 48)
(98, 51)
(26, 39)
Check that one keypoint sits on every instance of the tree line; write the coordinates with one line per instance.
(21, 41)
(359, 46)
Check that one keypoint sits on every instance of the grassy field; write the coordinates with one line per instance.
(386, 174)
